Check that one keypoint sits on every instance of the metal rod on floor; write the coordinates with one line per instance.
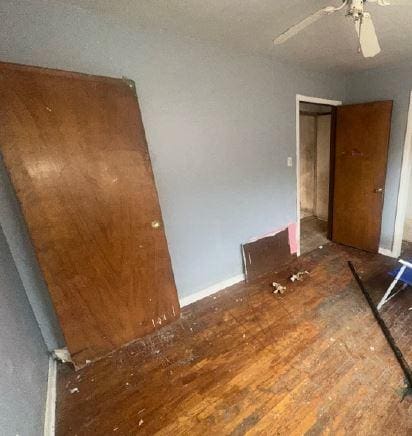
(396, 351)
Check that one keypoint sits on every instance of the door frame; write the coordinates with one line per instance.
(304, 99)
(403, 190)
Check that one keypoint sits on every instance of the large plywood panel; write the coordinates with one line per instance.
(75, 149)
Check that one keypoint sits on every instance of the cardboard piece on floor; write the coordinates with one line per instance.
(266, 255)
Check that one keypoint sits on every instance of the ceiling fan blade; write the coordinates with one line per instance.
(293, 30)
(392, 2)
(367, 36)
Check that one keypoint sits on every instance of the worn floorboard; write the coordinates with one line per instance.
(313, 233)
(312, 361)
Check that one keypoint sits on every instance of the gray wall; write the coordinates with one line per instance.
(396, 85)
(307, 150)
(220, 125)
(323, 128)
(24, 359)
(18, 240)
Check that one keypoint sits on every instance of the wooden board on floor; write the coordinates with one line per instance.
(75, 148)
(266, 255)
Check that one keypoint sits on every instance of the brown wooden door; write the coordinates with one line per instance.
(361, 149)
(75, 148)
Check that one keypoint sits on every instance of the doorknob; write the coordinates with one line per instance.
(155, 224)
(378, 190)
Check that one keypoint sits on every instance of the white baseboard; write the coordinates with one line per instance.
(50, 414)
(185, 301)
(386, 252)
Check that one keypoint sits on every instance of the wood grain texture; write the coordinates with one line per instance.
(361, 150)
(245, 361)
(261, 257)
(75, 148)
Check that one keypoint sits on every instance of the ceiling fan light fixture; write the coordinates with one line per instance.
(364, 26)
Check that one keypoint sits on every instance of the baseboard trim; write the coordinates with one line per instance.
(386, 252)
(185, 301)
(50, 413)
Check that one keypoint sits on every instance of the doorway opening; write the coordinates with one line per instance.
(315, 121)
(320, 102)
(358, 146)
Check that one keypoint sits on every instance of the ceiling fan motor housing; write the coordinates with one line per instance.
(362, 20)
(356, 9)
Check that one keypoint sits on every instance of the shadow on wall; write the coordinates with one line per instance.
(23, 378)
(16, 234)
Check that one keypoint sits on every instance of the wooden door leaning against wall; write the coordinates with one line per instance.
(75, 149)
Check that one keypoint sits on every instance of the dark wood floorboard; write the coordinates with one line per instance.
(245, 361)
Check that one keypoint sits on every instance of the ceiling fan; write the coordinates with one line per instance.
(355, 9)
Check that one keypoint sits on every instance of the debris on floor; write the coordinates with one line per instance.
(298, 276)
(74, 391)
(386, 332)
(62, 355)
(272, 251)
(278, 288)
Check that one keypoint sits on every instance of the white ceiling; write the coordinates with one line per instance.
(251, 25)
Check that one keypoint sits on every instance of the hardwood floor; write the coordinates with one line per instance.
(245, 361)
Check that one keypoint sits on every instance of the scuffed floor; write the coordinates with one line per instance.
(245, 361)
(312, 234)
